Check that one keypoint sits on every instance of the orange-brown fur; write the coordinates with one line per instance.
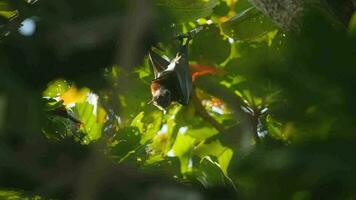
(154, 87)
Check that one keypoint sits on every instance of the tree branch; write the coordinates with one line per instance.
(201, 111)
(245, 131)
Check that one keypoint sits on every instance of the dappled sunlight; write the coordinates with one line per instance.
(177, 99)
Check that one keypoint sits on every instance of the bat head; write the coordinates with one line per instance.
(162, 99)
(161, 96)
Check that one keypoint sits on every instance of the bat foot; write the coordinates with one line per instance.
(189, 35)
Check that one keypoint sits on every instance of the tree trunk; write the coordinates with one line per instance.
(288, 14)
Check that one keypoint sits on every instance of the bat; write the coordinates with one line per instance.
(172, 79)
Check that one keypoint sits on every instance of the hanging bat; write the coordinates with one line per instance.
(172, 80)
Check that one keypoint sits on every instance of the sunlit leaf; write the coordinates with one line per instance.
(154, 159)
(202, 133)
(73, 95)
(248, 25)
(209, 173)
(187, 10)
(56, 88)
(153, 127)
(102, 114)
(17, 195)
(216, 149)
(6, 11)
(224, 160)
(137, 122)
(183, 149)
(274, 128)
(88, 116)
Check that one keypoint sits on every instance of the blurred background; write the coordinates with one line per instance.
(272, 112)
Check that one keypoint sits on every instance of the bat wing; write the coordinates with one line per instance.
(184, 76)
(176, 73)
(159, 64)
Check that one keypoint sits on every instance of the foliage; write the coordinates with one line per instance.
(271, 115)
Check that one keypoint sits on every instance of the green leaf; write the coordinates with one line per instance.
(187, 10)
(224, 160)
(248, 26)
(216, 149)
(154, 125)
(56, 88)
(209, 173)
(91, 125)
(222, 9)
(242, 5)
(216, 54)
(202, 133)
(154, 159)
(16, 195)
(352, 24)
(6, 10)
(126, 143)
(137, 122)
(183, 149)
